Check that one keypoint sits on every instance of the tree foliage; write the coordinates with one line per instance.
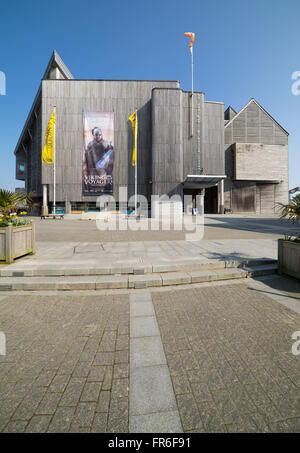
(291, 210)
(11, 201)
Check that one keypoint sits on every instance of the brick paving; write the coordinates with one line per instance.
(66, 364)
(228, 349)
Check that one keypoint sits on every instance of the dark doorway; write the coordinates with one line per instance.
(193, 194)
(243, 197)
(211, 200)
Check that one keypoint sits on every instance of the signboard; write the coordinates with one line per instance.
(98, 153)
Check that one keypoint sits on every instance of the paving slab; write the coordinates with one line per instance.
(146, 351)
(139, 297)
(147, 359)
(152, 390)
(143, 326)
(161, 422)
(141, 309)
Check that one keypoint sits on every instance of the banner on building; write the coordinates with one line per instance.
(98, 153)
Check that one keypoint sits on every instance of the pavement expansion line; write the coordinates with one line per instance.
(152, 403)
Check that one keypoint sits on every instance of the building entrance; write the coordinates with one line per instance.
(211, 200)
(192, 202)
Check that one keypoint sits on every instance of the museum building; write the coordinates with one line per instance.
(186, 145)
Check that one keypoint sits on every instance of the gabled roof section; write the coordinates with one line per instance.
(57, 69)
(258, 104)
(229, 113)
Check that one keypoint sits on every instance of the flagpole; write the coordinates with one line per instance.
(54, 175)
(135, 170)
(192, 37)
(192, 72)
(192, 118)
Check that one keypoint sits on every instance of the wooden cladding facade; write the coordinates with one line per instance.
(178, 135)
(256, 161)
(167, 152)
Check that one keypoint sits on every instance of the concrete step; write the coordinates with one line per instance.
(79, 283)
(84, 269)
(259, 271)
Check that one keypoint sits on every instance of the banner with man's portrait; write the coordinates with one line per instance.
(98, 153)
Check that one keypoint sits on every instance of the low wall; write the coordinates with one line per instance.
(289, 258)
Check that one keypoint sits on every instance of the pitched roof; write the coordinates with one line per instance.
(228, 110)
(56, 62)
(258, 104)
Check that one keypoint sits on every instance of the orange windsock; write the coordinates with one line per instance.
(192, 36)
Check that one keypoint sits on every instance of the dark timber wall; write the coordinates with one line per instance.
(175, 153)
(255, 127)
(71, 98)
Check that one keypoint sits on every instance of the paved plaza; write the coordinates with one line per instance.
(216, 358)
(67, 247)
(228, 226)
(71, 258)
(66, 367)
(78, 244)
(199, 357)
(229, 355)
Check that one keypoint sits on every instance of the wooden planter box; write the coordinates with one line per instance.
(289, 258)
(16, 242)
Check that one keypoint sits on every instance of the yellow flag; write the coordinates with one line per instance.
(134, 121)
(48, 151)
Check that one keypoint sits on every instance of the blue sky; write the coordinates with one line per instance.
(243, 49)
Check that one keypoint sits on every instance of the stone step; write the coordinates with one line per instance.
(259, 271)
(82, 269)
(79, 283)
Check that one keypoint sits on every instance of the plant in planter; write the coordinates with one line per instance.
(289, 247)
(16, 235)
(9, 204)
(13, 220)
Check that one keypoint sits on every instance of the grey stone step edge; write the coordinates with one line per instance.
(130, 281)
(60, 271)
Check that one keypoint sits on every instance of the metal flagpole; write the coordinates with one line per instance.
(192, 116)
(192, 71)
(135, 172)
(192, 37)
(54, 175)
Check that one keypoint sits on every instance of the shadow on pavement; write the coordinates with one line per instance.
(259, 224)
(233, 256)
(288, 286)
